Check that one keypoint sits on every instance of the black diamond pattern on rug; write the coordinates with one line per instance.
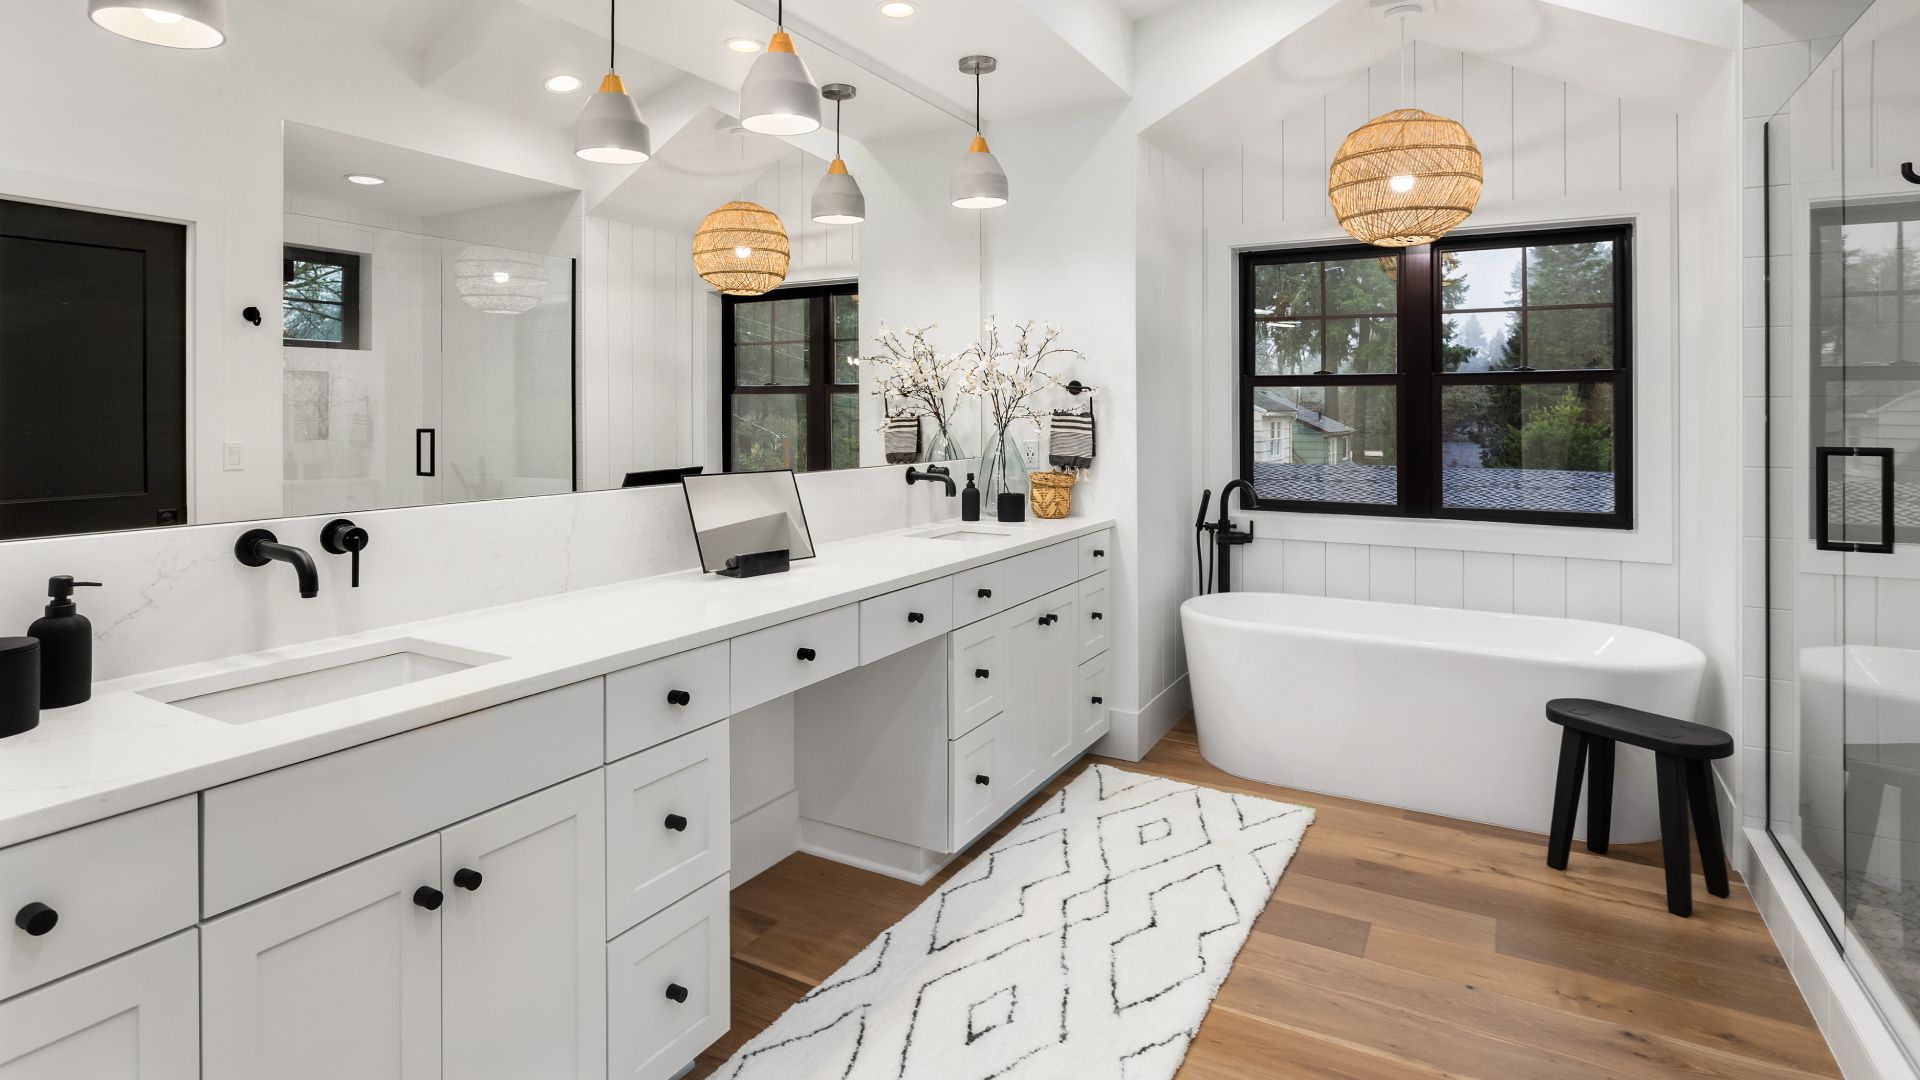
(1086, 944)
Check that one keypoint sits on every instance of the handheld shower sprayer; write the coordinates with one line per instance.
(1225, 536)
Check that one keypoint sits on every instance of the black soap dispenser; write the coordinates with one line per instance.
(970, 501)
(66, 646)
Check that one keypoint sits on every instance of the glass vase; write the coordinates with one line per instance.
(942, 447)
(1002, 468)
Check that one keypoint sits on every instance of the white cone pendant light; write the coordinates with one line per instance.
(610, 130)
(837, 200)
(780, 96)
(177, 24)
(978, 183)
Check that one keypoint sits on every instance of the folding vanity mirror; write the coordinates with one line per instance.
(740, 514)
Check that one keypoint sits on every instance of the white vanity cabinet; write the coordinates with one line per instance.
(134, 1018)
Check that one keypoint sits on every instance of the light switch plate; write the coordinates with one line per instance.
(234, 456)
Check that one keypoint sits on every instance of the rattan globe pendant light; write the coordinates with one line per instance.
(779, 96)
(837, 200)
(978, 182)
(610, 130)
(741, 249)
(1405, 177)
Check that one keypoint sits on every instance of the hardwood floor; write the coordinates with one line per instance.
(1398, 945)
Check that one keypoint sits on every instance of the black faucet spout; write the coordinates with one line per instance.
(258, 547)
(933, 472)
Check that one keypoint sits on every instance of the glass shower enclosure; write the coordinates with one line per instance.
(1842, 498)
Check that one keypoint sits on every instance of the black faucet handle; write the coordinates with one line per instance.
(342, 537)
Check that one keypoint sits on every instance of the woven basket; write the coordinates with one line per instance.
(1051, 493)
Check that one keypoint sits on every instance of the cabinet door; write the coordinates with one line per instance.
(522, 938)
(1051, 667)
(982, 679)
(135, 1018)
(1090, 702)
(990, 771)
(670, 992)
(339, 977)
(1096, 616)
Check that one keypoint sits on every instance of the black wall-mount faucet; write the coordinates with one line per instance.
(258, 547)
(343, 537)
(933, 472)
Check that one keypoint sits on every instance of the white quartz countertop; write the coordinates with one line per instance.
(122, 750)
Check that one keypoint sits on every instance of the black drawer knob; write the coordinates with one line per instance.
(1099, 701)
(676, 823)
(1052, 618)
(806, 654)
(428, 897)
(467, 878)
(1043, 620)
(36, 919)
(979, 673)
(982, 780)
(679, 697)
(915, 616)
(1097, 616)
(1099, 553)
(986, 594)
(676, 993)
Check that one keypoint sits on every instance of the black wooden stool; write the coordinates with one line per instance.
(1681, 752)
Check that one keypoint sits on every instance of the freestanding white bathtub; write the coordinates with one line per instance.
(1430, 709)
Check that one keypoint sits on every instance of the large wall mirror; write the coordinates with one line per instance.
(348, 260)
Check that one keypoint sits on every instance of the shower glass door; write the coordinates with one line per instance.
(1843, 495)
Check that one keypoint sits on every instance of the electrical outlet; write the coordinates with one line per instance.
(234, 456)
(1030, 450)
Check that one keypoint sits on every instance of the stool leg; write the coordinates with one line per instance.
(1706, 824)
(1599, 794)
(1672, 776)
(1566, 797)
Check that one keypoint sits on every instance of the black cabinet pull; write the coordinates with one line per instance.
(982, 780)
(428, 897)
(467, 878)
(676, 823)
(1099, 553)
(1099, 701)
(915, 616)
(986, 594)
(805, 654)
(676, 993)
(1097, 616)
(979, 673)
(36, 919)
(679, 697)
(1043, 620)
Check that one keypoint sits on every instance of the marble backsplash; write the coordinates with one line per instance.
(178, 596)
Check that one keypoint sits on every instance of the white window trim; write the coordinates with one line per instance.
(1656, 385)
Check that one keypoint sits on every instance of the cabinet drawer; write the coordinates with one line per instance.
(666, 698)
(277, 829)
(138, 1016)
(900, 620)
(668, 995)
(777, 661)
(668, 827)
(990, 769)
(107, 887)
(1096, 552)
(1090, 701)
(988, 590)
(980, 677)
(1096, 616)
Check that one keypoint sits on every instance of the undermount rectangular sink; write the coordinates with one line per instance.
(284, 686)
(962, 534)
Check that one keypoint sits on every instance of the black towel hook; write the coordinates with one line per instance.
(1906, 170)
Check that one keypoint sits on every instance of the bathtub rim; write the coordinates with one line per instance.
(1684, 655)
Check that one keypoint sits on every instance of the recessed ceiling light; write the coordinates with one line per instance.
(367, 179)
(562, 84)
(743, 44)
(898, 9)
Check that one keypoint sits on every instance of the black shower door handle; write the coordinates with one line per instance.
(1823, 499)
(424, 450)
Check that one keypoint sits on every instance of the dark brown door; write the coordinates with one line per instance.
(93, 372)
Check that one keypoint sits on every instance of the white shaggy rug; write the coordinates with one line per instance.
(1086, 944)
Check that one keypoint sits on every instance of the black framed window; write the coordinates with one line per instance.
(320, 302)
(1483, 377)
(792, 399)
